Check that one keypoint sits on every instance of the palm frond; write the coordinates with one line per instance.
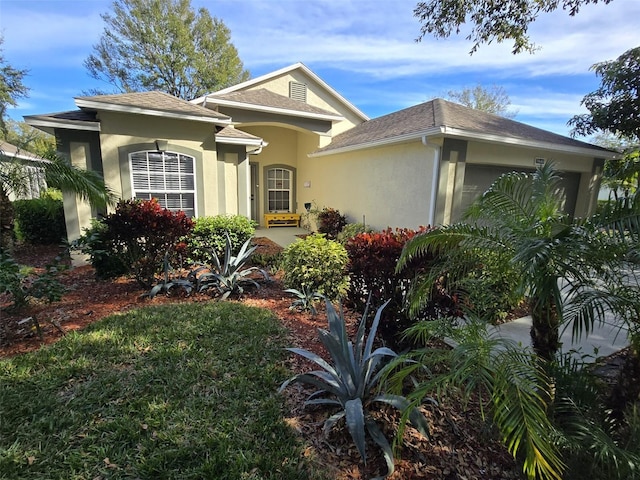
(87, 184)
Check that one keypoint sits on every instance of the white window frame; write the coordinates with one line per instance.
(181, 176)
(289, 190)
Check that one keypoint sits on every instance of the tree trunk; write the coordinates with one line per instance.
(545, 329)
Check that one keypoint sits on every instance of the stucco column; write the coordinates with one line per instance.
(244, 187)
(77, 213)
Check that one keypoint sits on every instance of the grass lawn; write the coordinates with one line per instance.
(178, 391)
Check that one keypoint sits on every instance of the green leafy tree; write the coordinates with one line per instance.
(26, 137)
(614, 114)
(615, 105)
(165, 45)
(11, 88)
(492, 99)
(490, 20)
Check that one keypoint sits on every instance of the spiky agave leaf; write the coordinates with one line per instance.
(351, 377)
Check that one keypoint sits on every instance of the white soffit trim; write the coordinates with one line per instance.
(258, 142)
(281, 111)
(484, 137)
(379, 143)
(145, 111)
(301, 66)
(50, 122)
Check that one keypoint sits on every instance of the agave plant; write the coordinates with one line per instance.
(352, 382)
(305, 299)
(169, 283)
(230, 275)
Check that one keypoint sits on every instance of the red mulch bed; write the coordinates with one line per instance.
(462, 446)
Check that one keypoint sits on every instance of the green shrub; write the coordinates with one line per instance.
(350, 230)
(488, 290)
(95, 242)
(316, 264)
(21, 284)
(40, 220)
(208, 236)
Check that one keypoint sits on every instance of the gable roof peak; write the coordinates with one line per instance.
(278, 73)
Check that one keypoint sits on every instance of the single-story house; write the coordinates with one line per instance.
(269, 147)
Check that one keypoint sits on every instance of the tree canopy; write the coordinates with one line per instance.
(26, 137)
(11, 87)
(165, 45)
(492, 99)
(490, 20)
(615, 105)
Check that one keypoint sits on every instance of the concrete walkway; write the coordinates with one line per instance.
(603, 340)
(283, 236)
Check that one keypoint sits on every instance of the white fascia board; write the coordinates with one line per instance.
(258, 142)
(280, 111)
(380, 143)
(29, 158)
(40, 122)
(484, 137)
(254, 81)
(282, 71)
(145, 111)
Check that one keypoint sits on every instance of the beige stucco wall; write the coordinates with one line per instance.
(388, 186)
(120, 130)
(77, 213)
(283, 151)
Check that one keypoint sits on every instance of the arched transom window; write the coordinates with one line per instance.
(279, 189)
(166, 176)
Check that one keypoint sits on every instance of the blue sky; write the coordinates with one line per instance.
(365, 49)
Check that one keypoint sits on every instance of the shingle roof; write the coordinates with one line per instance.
(439, 113)
(153, 101)
(231, 132)
(73, 115)
(9, 150)
(266, 98)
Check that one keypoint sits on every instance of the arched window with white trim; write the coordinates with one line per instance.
(279, 189)
(167, 176)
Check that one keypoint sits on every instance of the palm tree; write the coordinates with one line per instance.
(15, 177)
(521, 216)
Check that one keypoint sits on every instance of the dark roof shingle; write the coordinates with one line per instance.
(154, 101)
(442, 113)
(266, 98)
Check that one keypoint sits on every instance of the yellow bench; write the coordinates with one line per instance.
(281, 220)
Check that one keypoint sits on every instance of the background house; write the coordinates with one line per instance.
(17, 161)
(285, 139)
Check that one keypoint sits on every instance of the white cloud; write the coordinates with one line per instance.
(377, 39)
(32, 36)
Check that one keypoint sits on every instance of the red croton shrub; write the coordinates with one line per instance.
(141, 232)
(372, 263)
(331, 222)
